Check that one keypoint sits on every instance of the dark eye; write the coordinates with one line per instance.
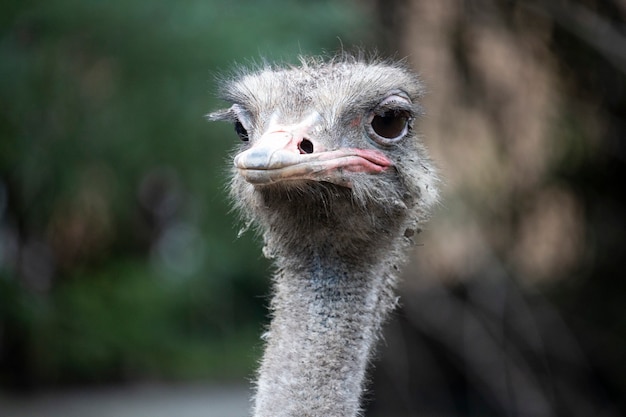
(392, 124)
(241, 131)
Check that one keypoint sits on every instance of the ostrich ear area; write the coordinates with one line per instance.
(267, 165)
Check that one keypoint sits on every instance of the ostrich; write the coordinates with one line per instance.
(331, 171)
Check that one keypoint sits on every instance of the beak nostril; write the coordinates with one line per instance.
(306, 146)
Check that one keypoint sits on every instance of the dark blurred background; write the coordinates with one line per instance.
(120, 262)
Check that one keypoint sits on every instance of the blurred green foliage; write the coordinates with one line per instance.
(118, 256)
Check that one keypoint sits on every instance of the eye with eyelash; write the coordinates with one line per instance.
(240, 119)
(390, 121)
(241, 131)
(391, 124)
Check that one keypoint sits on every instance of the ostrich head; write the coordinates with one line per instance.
(329, 148)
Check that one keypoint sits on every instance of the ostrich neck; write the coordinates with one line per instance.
(326, 319)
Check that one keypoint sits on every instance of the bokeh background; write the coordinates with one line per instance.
(121, 263)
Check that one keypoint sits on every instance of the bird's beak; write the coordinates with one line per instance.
(282, 155)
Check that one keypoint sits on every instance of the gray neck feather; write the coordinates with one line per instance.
(326, 319)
